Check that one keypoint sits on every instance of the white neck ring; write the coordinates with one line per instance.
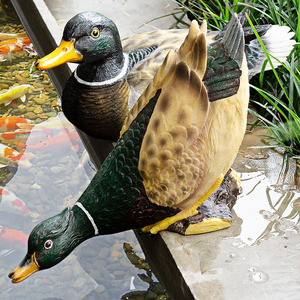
(108, 81)
(88, 216)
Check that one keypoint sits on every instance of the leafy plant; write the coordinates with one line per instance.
(275, 95)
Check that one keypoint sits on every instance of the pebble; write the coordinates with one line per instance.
(115, 254)
(38, 110)
(30, 115)
(100, 288)
(39, 100)
(51, 114)
(56, 169)
(34, 215)
(36, 186)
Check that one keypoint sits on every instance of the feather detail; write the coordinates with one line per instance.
(169, 163)
(278, 42)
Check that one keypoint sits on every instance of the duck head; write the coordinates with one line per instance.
(48, 244)
(87, 38)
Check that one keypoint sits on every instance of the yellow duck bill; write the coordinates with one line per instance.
(26, 268)
(65, 52)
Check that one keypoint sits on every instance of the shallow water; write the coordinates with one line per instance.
(48, 177)
(270, 192)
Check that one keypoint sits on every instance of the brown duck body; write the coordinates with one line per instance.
(188, 145)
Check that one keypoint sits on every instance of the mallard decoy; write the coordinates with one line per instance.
(176, 144)
(109, 78)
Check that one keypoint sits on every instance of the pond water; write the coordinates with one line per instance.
(44, 168)
(270, 191)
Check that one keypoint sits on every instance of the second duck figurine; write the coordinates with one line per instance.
(112, 74)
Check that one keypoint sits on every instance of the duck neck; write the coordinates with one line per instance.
(79, 227)
(103, 72)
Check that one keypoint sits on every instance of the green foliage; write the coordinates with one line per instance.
(274, 94)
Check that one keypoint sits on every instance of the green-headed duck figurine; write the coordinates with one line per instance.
(177, 143)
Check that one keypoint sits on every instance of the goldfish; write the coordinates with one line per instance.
(14, 45)
(12, 157)
(13, 93)
(9, 202)
(13, 236)
(10, 123)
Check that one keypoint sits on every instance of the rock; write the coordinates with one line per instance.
(38, 110)
(30, 115)
(100, 288)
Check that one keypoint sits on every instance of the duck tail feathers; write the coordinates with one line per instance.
(233, 40)
(225, 57)
(182, 70)
(193, 49)
(278, 42)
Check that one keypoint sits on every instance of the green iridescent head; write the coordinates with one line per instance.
(96, 37)
(50, 238)
(49, 243)
(88, 37)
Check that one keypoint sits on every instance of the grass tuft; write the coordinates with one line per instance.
(275, 94)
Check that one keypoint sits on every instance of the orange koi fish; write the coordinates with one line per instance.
(13, 135)
(16, 139)
(14, 45)
(13, 236)
(57, 142)
(8, 154)
(11, 123)
(9, 202)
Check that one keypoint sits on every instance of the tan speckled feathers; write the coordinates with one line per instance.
(166, 69)
(169, 163)
(138, 78)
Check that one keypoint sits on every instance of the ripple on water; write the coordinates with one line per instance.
(257, 276)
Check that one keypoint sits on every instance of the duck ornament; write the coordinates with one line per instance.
(177, 143)
(112, 74)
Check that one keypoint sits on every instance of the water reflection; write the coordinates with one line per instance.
(270, 199)
(155, 289)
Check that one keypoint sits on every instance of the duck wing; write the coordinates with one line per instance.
(176, 122)
(171, 162)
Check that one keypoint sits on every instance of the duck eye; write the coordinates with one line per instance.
(95, 32)
(48, 244)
